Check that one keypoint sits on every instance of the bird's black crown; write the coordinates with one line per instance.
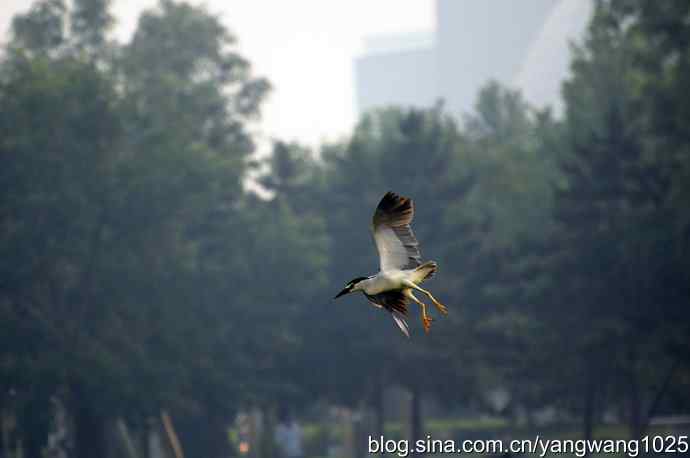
(356, 280)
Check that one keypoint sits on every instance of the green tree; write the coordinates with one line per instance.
(54, 215)
(112, 168)
(505, 218)
(615, 224)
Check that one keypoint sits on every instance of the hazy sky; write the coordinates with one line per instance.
(304, 47)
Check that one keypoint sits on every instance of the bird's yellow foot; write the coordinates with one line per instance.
(426, 322)
(441, 308)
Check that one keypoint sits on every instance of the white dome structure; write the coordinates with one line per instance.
(547, 63)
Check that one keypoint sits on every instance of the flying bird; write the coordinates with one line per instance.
(401, 269)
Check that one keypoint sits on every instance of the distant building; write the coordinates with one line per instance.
(397, 70)
(483, 40)
(523, 45)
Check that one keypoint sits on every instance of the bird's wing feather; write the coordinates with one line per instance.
(397, 246)
(396, 303)
(402, 324)
(390, 300)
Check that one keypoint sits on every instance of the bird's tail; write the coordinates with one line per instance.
(425, 271)
(401, 322)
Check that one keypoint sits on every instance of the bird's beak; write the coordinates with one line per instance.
(342, 293)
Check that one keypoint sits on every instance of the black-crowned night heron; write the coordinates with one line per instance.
(401, 265)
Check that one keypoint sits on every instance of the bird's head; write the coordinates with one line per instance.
(351, 286)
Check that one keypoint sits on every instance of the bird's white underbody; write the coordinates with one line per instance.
(390, 280)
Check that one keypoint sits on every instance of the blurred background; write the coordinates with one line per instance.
(186, 186)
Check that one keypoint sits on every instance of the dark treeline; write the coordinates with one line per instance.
(138, 274)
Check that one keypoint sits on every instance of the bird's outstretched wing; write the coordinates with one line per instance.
(397, 246)
(396, 303)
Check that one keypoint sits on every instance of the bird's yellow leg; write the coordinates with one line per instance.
(426, 319)
(441, 308)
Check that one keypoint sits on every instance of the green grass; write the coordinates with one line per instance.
(446, 426)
